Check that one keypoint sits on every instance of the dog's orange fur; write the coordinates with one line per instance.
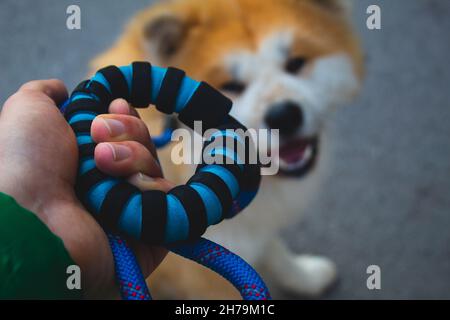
(213, 29)
(216, 27)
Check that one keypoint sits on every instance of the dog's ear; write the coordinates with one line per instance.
(165, 35)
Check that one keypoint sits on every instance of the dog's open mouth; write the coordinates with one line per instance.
(298, 156)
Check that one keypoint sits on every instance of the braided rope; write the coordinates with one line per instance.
(228, 265)
(128, 274)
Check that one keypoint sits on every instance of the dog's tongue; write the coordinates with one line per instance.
(293, 151)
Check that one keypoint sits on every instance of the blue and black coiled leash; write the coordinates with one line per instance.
(179, 218)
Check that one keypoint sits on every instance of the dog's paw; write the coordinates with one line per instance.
(310, 275)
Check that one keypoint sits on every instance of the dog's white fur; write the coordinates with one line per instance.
(255, 234)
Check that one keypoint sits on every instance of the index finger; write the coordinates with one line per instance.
(53, 88)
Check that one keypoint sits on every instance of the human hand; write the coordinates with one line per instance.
(39, 158)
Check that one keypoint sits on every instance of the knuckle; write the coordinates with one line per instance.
(57, 82)
(22, 98)
(30, 85)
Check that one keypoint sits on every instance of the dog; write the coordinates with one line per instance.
(286, 64)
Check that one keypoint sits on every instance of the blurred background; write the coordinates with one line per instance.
(387, 199)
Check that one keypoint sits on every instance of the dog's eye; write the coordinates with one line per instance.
(233, 87)
(294, 65)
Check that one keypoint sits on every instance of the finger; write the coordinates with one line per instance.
(149, 257)
(144, 182)
(126, 158)
(53, 88)
(121, 106)
(120, 127)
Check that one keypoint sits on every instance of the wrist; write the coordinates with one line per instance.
(86, 243)
(26, 196)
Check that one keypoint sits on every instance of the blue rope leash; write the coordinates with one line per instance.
(228, 265)
(179, 217)
(129, 277)
(205, 252)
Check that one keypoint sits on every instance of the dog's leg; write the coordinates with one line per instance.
(304, 275)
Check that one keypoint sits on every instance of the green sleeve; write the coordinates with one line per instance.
(33, 261)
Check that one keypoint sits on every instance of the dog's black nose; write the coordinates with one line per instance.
(286, 116)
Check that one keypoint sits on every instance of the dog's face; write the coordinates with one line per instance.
(284, 63)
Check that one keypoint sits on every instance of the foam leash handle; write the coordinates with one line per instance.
(154, 217)
(215, 191)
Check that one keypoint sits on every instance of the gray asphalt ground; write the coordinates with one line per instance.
(387, 201)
